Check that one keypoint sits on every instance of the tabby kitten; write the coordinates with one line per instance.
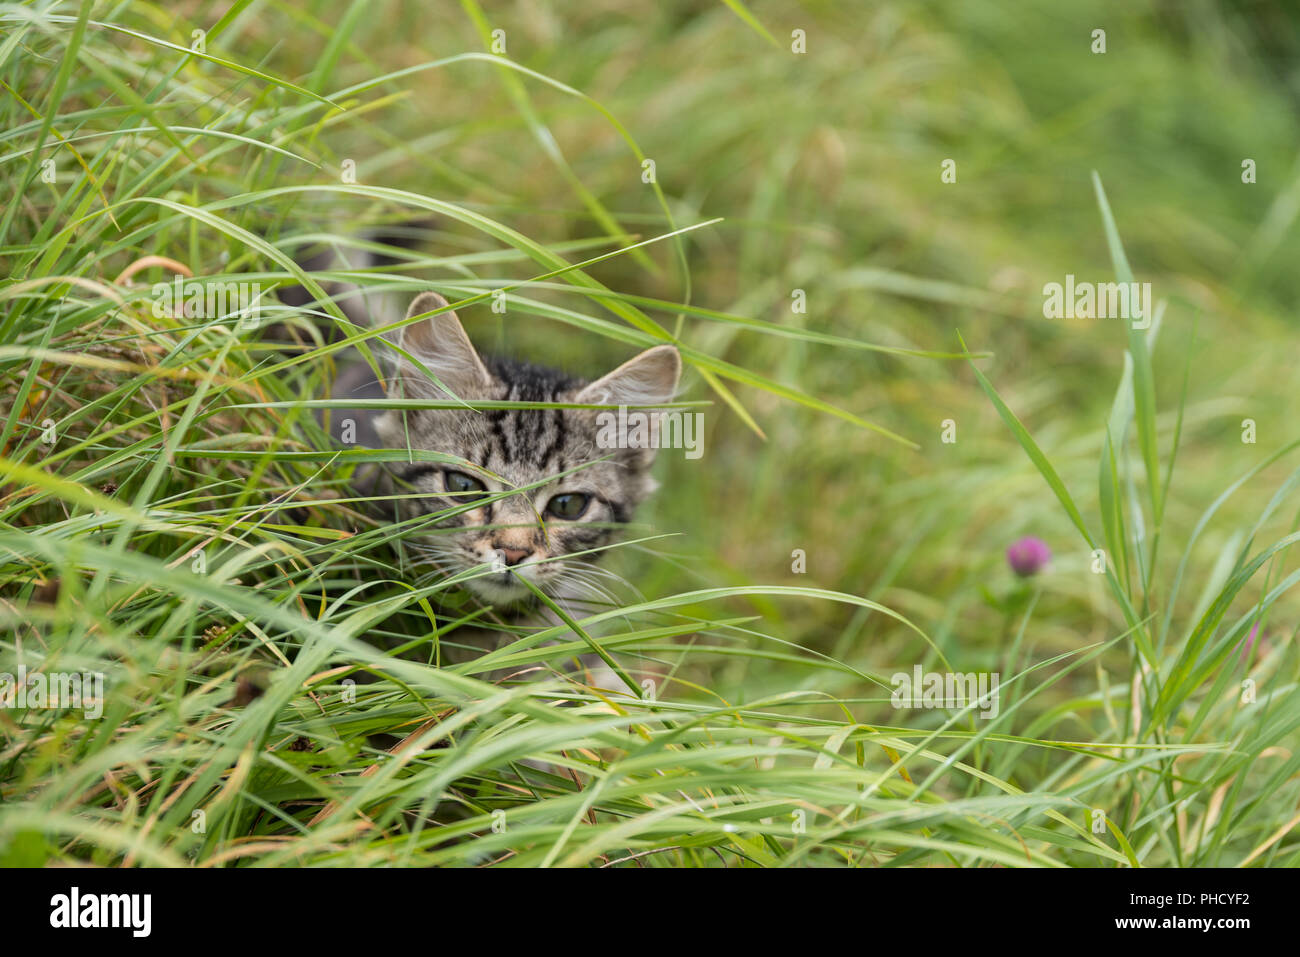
(573, 495)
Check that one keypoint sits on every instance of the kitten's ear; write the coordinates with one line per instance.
(646, 379)
(441, 344)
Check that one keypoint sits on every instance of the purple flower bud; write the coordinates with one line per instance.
(1249, 644)
(1028, 556)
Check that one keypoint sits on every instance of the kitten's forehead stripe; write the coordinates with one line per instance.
(551, 429)
(496, 419)
(557, 440)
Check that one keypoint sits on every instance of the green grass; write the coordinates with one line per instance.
(757, 729)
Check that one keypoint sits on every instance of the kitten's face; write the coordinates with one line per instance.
(540, 489)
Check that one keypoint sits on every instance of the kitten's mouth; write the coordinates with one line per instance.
(493, 581)
(500, 587)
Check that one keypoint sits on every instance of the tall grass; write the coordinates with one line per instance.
(173, 515)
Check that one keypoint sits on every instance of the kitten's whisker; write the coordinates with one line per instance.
(607, 600)
(611, 576)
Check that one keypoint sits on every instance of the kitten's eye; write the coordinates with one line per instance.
(569, 506)
(459, 482)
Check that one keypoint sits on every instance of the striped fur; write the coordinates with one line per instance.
(532, 455)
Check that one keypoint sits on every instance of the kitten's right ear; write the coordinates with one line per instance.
(440, 343)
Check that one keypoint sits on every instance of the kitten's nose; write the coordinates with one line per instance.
(513, 556)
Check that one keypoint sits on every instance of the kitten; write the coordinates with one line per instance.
(573, 494)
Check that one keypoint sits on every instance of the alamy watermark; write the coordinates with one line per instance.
(1130, 301)
(133, 912)
(82, 691)
(651, 430)
(947, 689)
(209, 299)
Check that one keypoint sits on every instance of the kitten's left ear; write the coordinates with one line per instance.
(646, 379)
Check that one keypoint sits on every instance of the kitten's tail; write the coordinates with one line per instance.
(365, 303)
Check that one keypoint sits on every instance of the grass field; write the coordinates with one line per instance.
(849, 245)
